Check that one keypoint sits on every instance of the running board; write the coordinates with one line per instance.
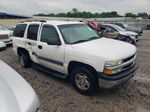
(49, 71)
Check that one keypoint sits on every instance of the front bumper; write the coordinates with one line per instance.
(111, 81)
(7, 41)
(2, 48)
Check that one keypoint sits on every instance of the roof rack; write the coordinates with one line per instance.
(33, 21)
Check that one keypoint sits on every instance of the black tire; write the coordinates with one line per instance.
(25, 60)
(89, 77)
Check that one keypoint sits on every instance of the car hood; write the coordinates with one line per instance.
(5, 32)
(133, 29)
(8, 100)
(128, 33)
(16, 95)
(109, 49)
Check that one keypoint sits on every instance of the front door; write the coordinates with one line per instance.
(51, 56)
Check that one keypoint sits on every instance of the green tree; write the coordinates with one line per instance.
(143, 15)
(114, 13)
(130, 15)
(75, 10)
(149, 17)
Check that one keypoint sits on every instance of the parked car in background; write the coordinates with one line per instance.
(16, 95)
(73, 50)
(11, 28)
(110, 32)
(5, 35)
(114, 31)
(93, 25)
(139, 31)
(2, 46)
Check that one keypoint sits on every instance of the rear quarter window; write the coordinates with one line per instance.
(19, 30)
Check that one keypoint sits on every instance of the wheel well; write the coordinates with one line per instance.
(22, 50)
(74, 64)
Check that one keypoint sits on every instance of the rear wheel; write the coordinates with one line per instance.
(24, 60)
(83, 80)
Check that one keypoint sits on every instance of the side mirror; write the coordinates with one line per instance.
(53, 41)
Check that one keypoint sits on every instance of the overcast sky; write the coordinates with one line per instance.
(30, 7)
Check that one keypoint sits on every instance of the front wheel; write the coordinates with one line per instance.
(83, 80)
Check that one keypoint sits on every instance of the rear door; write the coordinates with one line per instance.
(31, 41)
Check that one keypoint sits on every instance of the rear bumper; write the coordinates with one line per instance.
(107, 81)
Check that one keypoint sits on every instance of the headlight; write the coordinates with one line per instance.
(113, 63)
(110, 64)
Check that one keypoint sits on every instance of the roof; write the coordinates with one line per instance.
(56, 22)
(63, 22)
(14, 15)
(110, 24)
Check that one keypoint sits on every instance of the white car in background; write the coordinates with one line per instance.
(5, 35)
(16, 95)
(133, 36)
(11, 29)
(2, 46)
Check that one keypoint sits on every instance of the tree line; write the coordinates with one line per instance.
(74, 13)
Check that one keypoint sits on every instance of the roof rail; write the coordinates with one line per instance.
(33, 21)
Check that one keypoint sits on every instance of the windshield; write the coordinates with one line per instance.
(76, 33)
(118, 28)
(2, 27)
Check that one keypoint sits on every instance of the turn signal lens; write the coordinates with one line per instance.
(108, 72)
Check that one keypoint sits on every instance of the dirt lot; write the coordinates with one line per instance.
(57, 95)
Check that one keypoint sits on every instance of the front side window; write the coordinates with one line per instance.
(19, 30)
(48, 32)
(75, 33)
(33, 31)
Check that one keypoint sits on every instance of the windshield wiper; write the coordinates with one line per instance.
(79, 41)
(92, 38)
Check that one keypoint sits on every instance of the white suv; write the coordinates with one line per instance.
(5, 35)
(73, 50)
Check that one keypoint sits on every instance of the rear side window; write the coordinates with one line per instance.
(33, 31)
(19, 30)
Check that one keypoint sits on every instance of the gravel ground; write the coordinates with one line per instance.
(57, 95)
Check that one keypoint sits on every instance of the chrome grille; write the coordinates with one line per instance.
(128, 59)
(4, 37)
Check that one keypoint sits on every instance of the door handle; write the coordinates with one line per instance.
(39, 46)
(29, 43)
